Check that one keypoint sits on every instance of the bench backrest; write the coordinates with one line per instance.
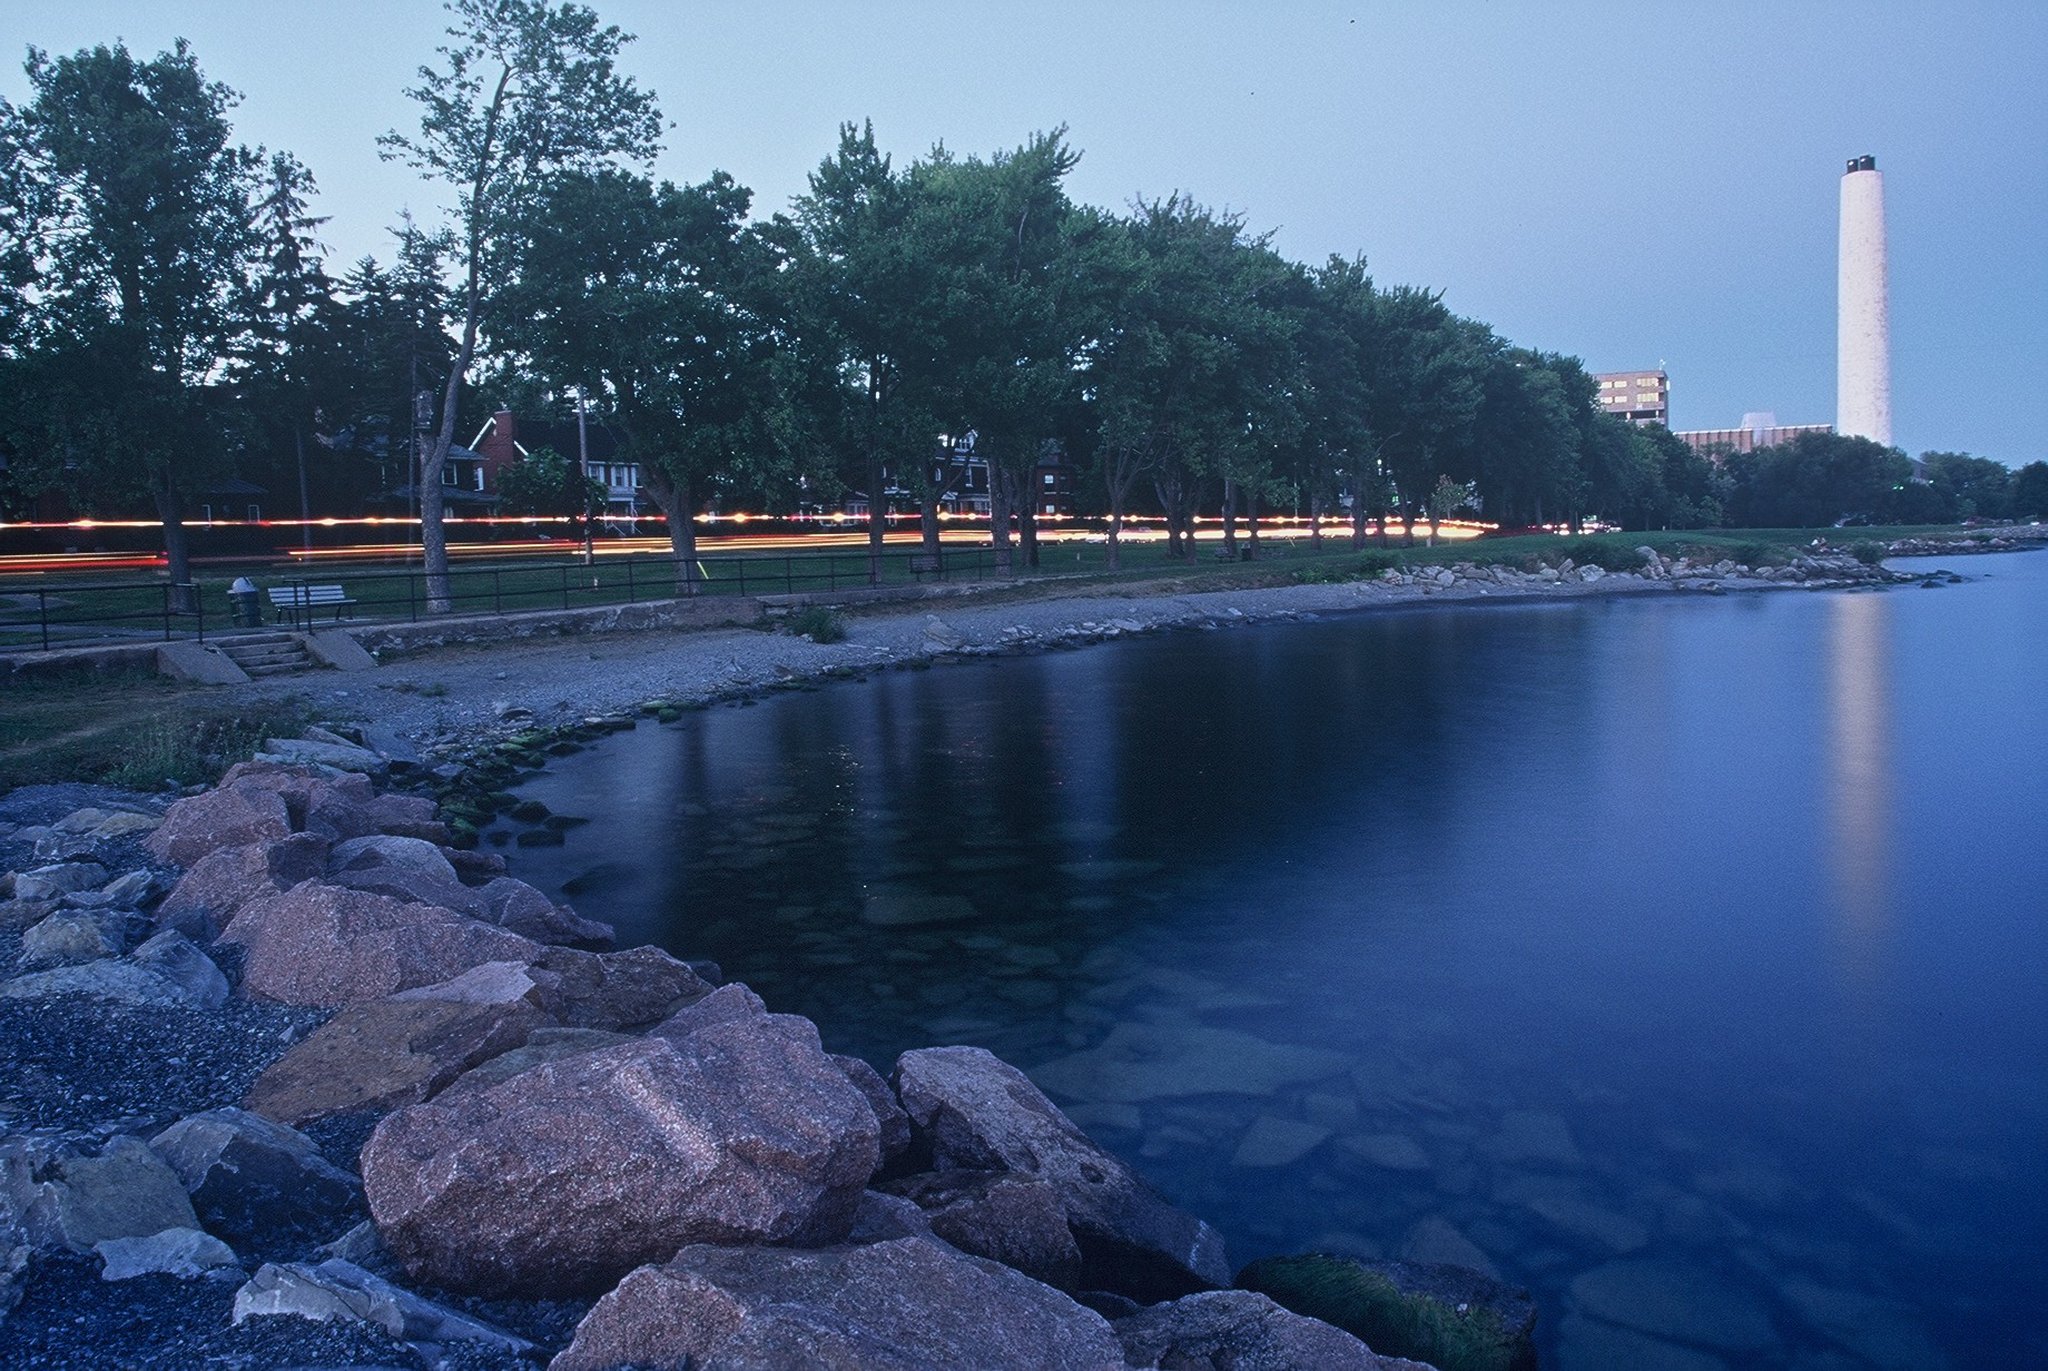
(307, 595)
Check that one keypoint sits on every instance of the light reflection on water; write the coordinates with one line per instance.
(1859, 779)
(1683, 962)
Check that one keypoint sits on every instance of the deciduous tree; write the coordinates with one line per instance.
(524, 89)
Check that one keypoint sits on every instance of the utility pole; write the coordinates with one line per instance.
(583, 490)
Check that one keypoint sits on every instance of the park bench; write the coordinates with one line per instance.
(927, 564)
(296, 603)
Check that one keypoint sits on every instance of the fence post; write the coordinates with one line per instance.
(565, 585)
(412, 613)
(43, 615)
(630, 597)
(199, 609)
(497, 593)
(788, 576)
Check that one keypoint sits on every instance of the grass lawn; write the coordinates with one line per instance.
(128, 728)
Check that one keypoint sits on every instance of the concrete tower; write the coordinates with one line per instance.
(1863, 329)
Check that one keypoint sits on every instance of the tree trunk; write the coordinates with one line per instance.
(1230, 518)
(1359, 516)
(999, 496)
(928, 525)
(1251, 527)
(1027, 523)
(177, 549)
(305, 499)
(1315, 523)
(1116, 528)
(878, 513)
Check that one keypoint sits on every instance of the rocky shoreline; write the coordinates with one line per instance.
(295, 1080)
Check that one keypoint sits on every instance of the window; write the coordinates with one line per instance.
(479, 476)
(448, 474)
(1049, 479)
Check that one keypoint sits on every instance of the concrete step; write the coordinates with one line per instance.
(267, 654)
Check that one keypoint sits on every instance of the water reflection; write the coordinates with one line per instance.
(1859, 785)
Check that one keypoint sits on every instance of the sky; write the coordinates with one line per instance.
(1632, 184)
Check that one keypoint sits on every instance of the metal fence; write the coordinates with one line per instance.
(39, 617)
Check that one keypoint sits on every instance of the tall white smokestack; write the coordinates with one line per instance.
(1863, 334)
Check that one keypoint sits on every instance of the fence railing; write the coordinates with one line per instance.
(39, 617)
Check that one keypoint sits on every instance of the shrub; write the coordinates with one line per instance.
(1870, 554)
(1603, 553)
(819, 624)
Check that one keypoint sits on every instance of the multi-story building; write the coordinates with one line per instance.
(1759, 429)
(1641, 397)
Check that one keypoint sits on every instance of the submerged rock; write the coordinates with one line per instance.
(1236, 1330)
(1452, 1318)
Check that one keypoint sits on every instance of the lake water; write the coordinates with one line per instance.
(1685, 961)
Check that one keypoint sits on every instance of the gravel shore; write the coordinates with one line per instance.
(446, 695)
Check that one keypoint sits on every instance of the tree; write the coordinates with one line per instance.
(1190, 373)
(861, 285)
(545, 483)
(1973, 487)
(289, 363)
(659, 301)
(1014, 303)
(526, 90)
(2030, 491)
(129, 207)
(1814, 480)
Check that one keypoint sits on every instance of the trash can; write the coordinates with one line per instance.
(248, 614)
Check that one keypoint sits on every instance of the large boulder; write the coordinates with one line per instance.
(1450, 1317)
(889, 1115)
(619, 992)
(328, 946)
(1235, 1330)
(62, 1195)
(209, 895)
(544, 1045)
(124, 981)
(911, 1304)
(69, 937)
(385, 850)
(517, 906)
(171, 955)
(58, 880)
(410, 816)
(247, 1175)
(403, 1049)
(185, 1253)
(975, 1112)
(336, 1289)
(567, 1176)
(1013, 1219)
(229, 815)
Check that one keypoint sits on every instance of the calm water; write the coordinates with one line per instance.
(1686, 962)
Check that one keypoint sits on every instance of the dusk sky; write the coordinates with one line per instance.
(1632, 184)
